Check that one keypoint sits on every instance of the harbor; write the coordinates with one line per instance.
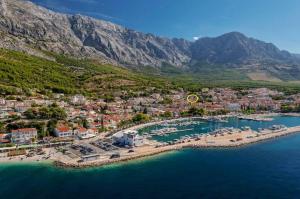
(224, 138)
(155, 138)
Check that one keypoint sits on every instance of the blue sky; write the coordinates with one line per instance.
(276, 21)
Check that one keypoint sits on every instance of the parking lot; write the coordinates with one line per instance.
(102, 147)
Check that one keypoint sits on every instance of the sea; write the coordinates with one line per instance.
(268, 169)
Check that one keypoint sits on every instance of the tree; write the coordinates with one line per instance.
(109, 98)
(45, 113)
(166, 100)
(51, 126)
(51, 112)
(145, 111)
(85, 123)
(2, 127)
(140, 117)
(194, 111)
(286, 108)
(166, 114)
(30, 113)
(58, 113)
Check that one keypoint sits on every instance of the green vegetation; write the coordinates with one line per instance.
(248, 111)
(51, 112)
(25, 74)
(219, 112)
(286, 108)
(141, 118)
(6, 145)
(166, 114)
(21, 71)
(193, 111)
(166, 100)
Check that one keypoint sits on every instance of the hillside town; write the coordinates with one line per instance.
(33, 119)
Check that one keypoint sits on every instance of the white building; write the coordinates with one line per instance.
(128, 137)
(78, 100)
(83, 133)
(21, 136)
(63, 132)
(2, 101)
(233, 107)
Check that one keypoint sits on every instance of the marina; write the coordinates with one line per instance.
(152, 139)
(169, 170)
(224, 135)
(237, 147)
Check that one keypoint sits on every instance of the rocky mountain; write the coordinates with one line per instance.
(26, 25)
(236, 48)
(34, 29)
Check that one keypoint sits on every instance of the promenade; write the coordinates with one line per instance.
(235, 139)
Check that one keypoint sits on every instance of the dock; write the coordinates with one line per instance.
(232, 138)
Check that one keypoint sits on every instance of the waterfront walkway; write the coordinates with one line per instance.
(235, 139)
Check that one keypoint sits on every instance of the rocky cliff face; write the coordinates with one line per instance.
(27, 25)
(31, 28)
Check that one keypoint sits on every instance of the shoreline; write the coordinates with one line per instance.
(188, 145)
(61, 160)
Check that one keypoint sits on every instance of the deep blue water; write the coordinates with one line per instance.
(269, 169)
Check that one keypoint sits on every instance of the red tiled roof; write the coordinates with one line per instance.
(63, 129)
(4, 141)
(81, 129)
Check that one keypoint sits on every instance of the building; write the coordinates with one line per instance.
(83, 133)
(2, 101)
(78, 100)
(233, 107)
(63, 132)
(128, 137)
(22, 136)
(4, 139)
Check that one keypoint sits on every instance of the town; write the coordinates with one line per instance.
(39, 124)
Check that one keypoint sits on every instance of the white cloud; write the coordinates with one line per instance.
(196, 38)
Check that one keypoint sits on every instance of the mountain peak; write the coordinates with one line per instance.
(31, 28)
(233, 35)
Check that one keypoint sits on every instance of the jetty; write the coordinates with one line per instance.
(255, 118)
(224, 138)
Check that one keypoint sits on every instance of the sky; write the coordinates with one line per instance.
(276, 21)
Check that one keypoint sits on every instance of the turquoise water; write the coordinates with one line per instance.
(205, 127)
(269, 169)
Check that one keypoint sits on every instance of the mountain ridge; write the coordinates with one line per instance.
(25, 26)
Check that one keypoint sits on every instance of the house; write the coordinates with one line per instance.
(4, 139)
(233, 107)
(22, 136)
(78, 100)
(128, 137)
(2, 101)
(63, 132)
(21, 109)
(84, 133)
